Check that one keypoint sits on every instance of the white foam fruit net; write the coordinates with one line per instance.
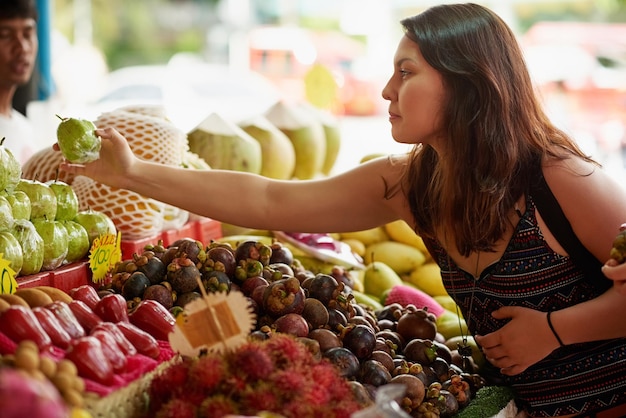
(134, 215)
(43, 166)
(152, 137)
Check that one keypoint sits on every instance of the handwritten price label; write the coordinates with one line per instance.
(105, 253)
(8, 284)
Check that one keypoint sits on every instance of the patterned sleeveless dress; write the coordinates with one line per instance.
(574, 379)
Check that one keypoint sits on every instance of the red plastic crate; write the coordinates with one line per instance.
(76, 274)
(203, 230)
(65, 278)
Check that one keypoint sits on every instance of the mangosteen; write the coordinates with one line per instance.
(184, 298)
(283, 296)
(281, 254)
(373, 373)
(414, 388)
(215, 281)
(336, 319)
(326, 338)
(191, 248)
(152, 266)
(255, 250)
(220, 257)
(183, 275)
(169, 255)
(291, 323)
(135, 286)
(248, 285)
(315, 313)
(324, 288)
(345, 361)
(391, 312)
(159, 293)
(420, 351)
(360, 393)
(360, 339)
(384, 358)
(417, 323)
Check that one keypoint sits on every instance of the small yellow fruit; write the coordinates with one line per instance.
(427, 277)
(447, 302)
(401, 257)
(477, 355)
(401, 231)
(367, 236)
(451, 325)
(378, 277)
(356, 246)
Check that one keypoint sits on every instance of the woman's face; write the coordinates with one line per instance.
(416, 96)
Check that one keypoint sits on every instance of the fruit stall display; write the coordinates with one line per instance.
(332, 328)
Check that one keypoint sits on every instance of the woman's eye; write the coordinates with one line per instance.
(404, 73)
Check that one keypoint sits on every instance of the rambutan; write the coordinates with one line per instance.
(261, 397)
(207, 372)
(287, 352)
(249, 360)
(287, 382)
(217, 406)
(167, 383)
(177, 408)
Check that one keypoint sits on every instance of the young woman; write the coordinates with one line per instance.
(550, 327)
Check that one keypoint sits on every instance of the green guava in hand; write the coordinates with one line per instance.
(67, 201)
(32, 246)
(10, 169)
(77, 140)
(43, 201)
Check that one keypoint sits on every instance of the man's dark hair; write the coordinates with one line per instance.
(12, 9)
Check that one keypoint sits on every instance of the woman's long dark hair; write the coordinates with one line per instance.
(496, 133)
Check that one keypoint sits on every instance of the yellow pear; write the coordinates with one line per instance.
(447, 302)
(402, 258)
(401, 231)
(453, 343)
(356, 246)
(427, 277)
(378, 278)
(449, 324)
(367, 236)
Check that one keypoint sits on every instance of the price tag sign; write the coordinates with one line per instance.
(8, 284)
(104, 254)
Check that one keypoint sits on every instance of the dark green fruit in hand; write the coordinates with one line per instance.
(77, 140)
(618, 251)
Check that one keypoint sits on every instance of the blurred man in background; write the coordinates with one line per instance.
(18, 52)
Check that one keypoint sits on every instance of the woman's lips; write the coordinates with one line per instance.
(393, 116)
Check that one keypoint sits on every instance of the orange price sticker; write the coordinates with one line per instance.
(8, 284)
(105, 253)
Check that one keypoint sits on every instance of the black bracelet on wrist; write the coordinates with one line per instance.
(553, 330)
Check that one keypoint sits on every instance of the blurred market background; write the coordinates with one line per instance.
(238, 57)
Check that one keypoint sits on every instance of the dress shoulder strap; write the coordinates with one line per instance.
(555, 219)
